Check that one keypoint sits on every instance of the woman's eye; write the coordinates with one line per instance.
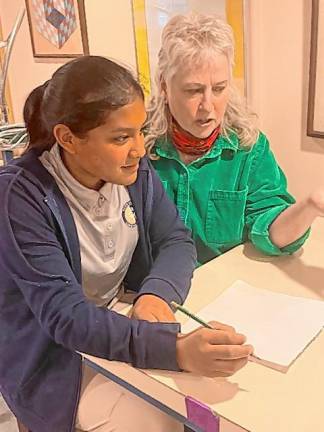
(144, 130)
(218, 90)
(192, 91)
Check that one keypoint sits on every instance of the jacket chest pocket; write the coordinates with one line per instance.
(225, 216)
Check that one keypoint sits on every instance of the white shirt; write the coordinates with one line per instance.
(106, 227)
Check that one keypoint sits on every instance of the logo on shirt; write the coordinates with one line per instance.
(128, 214)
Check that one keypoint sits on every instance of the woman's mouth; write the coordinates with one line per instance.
(206, 122)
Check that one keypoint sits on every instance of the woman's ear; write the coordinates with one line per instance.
(164, 92)
(65, 138)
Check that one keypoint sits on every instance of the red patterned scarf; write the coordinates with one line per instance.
(188, 144)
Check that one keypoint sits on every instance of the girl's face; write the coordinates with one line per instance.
(111, 152)
(197, 97)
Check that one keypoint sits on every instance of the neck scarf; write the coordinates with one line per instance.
(188, 144)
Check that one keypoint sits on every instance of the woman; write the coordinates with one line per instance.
(214, 163)
(84, 214)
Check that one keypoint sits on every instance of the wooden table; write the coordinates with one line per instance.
(256, 398)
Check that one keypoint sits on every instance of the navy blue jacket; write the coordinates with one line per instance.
(44, 315)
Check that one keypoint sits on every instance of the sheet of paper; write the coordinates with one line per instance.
(279, 326)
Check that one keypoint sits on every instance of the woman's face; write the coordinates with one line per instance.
(112, 151)
(197, 97)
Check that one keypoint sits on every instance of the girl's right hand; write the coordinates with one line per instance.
(217, 352)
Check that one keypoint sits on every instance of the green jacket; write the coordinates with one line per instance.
(228, 196)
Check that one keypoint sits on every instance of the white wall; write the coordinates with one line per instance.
(279, 35)
(110, 30)
(110, 34)
(25, 72)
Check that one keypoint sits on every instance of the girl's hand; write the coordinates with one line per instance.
(152, 308)
(213, 353)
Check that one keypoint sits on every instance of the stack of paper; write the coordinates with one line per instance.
(279, 326)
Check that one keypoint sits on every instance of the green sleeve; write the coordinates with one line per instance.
(267, 198)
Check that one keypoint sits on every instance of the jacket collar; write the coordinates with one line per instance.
(56, 202)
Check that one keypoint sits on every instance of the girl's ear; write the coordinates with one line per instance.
(65, 138)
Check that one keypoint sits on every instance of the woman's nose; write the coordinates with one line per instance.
(206, 103)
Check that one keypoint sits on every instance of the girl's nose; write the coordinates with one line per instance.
(138, 149)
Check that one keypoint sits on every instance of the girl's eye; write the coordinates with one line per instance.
(121, 139)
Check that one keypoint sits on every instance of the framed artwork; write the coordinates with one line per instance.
(150, 17)
(57, 28)
(315, 113)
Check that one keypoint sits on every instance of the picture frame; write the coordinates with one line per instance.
(315, 111)
(150, 17)
(57, 28)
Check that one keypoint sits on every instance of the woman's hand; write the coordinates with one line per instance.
(152, 308)
(213, 353)
(293, 222)
(316, 201)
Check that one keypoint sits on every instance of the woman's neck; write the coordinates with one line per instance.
(185, 143)
(187, 158)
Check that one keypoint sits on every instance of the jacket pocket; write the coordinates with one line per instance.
(28, 396)
(225, 216)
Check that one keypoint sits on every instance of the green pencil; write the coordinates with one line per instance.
(191, 315)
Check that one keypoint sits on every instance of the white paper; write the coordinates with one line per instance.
(279, 326)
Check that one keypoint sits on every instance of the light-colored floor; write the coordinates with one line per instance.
(7, 420)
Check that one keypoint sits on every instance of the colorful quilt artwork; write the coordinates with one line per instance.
(55, 20)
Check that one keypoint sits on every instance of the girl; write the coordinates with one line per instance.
(83, 217)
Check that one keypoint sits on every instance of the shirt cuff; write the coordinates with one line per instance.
(260, 237)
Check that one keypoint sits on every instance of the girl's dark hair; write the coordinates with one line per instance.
(80, 94)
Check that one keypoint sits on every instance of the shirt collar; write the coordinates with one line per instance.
(87, 197)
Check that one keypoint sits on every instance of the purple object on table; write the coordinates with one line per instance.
(201, 415)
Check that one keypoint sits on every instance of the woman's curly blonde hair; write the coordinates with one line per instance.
(191, 40)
